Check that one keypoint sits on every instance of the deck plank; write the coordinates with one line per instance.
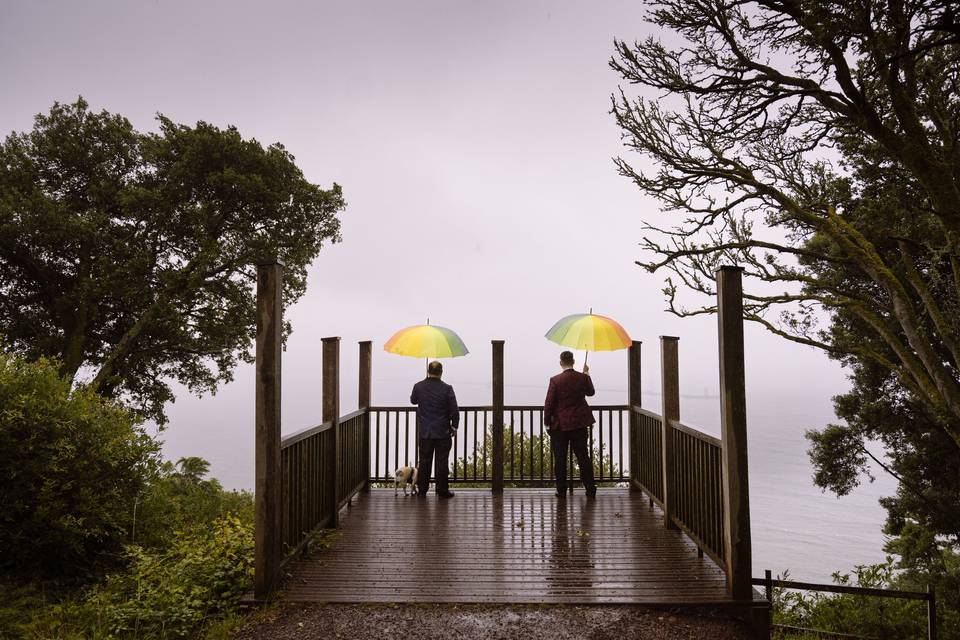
(524, 546)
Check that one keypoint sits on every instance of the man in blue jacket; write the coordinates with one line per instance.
(438, 417)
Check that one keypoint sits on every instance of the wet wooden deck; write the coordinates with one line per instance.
(524, 546)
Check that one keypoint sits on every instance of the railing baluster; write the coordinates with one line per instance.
(600, 452)
(466, 441)
(406, 443)
(530, 442)
(513, 433)
(620, 456)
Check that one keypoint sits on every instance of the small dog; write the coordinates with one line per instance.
(405, 476)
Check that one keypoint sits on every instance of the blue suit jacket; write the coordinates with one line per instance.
(438, 415)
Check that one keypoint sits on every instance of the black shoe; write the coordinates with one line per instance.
(561, 494)
(592, 493)
(448, 494)
(421, 494)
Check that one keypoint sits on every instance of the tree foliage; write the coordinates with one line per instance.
(869, 616)
(815, 143)
(129, 256)
(181, 497)
(72, 466)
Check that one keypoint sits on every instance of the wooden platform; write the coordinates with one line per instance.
(525, 546)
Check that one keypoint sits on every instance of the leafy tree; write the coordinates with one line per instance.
(782, 116)
(71, 467)
(815, 143)
(129, 256)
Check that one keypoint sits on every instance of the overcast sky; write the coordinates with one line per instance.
(473, 144)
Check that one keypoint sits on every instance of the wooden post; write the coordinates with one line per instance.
(497, 415)
(363, 402)
(670, 391)
(331, 413)
(931, 613)
(733, 425)
(633, 400)
(268, 545)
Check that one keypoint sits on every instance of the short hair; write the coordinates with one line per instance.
(435, 368)
(566, 357)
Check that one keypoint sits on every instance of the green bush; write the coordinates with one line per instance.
(168, 594)
(161, 594)
(870, 616)
(180, 497)
(72, 466)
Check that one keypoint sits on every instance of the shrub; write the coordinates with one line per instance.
(71, 467)
(160, 594)
(168, 594)
(180, 497)
(870, 616)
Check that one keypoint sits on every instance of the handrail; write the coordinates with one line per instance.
(527, 458)
(514, 407)
(696, 433)
(297, 436)
(836, 588)
(645, 412)
(929, 596)
(312, 493)
(693, 477)
(303, 434)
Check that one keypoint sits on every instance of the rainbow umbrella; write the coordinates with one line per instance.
(426, 341)
(590, 332)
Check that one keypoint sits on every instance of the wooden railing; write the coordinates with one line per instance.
(302, 480)
(697, 486)
(307, 494)
(354, 455)
(769, 584)
(527, 458)
(696, 504)
(646, 446)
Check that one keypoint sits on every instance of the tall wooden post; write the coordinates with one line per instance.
(268, 543)
(331, 413)
(363, 402)
(670, 389)
(633, 400)
(733, 425)
(497, 415)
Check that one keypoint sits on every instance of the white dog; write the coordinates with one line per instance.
(405, 476)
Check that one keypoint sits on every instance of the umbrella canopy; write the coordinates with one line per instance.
(589, 332)
(426, 341)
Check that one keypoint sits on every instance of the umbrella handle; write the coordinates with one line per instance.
(585, 358)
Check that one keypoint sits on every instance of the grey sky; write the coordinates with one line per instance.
(474, 146)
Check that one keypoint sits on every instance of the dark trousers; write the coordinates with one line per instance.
(560, 442)
(434, 452)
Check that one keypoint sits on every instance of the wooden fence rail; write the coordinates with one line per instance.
(698, 489)
(307, 493)
(527, 457)
(929, 596)
(694, 474)
(646, 445)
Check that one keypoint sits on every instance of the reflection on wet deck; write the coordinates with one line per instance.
(525, 546)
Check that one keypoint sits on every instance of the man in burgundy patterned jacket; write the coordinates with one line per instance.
(568, 417)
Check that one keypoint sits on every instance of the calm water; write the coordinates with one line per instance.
(795, 526)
